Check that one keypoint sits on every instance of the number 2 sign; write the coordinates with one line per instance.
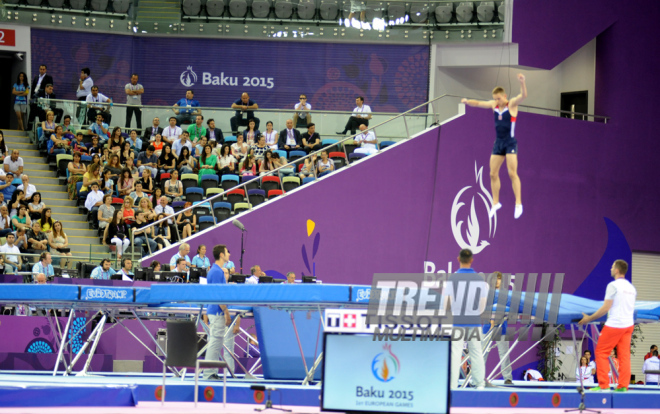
(7, 37)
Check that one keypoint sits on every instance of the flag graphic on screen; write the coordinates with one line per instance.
(385, 366)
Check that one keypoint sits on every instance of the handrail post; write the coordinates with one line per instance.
(406, 124)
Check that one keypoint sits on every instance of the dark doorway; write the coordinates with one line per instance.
(575, 102)
(7, 81)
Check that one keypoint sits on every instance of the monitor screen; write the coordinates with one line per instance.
(363, 375)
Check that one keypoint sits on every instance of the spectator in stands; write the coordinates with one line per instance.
(142, 237)
(615, 362)
(5, 222)
(650, 353)
(325, 164)
(229, 265)
(207, 163)
(48, 126)
(44, 266)
(29, 189)
(135, 141)
(145, 206)
(138, 194)
(6, 186)
(181, 143)
(361, 116)
(10, 255)
(226, 161)
(94, 200)
(90, 177)
(155, 129)
(199, 148)
(158, 145)
(105, 212)
(367, 141)
(652, 364)
(302, 118)
(249, 166)
(21, 220)
(158, 193)
(280, 162)
(114, 167)
(251, 133)
(127, 212)
(78, 144)
(184, 249)
(127, 158)
(147, 160)
(116, 233)
(172, 133)
(271, 136)
(309, 167)
(95, 105)
(213, 133)
(174, 187)
(186, 113)
(41, 279)
(290, 138)
(290, 278)
(197, 130)
(125, 183)
(95, 147)
(85, 84)
(200, 260)
(255, 274)
(39, 83)
(186, 222)
(134, 93)
(260, 148)
(36, 206)
(592, 364)
(155, 264)
(21, 90)
(584, 372)
(126, 270)
(59, 144)
(167, 211)
(239, 149)
(186, 163)
(147, 182)
(162, 234)
(116, 143)
(100, 129)
(311, 140)
(59, 241)
(17, 200)
(76, 172)
(46, 220)
(267, 164)
(104, 271)
(4, 151)
(243, 106)
(13, 163)
(37, 239)
(167, 160)
(67, 127)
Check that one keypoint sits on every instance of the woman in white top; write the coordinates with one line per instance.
(308, 169)
(584, 372)
(226, 162)
(325, 164)
(271, 136)
(240, 149)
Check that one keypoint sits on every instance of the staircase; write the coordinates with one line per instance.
(82, 239)
(165, 12)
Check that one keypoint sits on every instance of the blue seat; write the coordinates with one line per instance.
(230, 138)
(256, 197)
(209, 181)
(229, 181)
(307, 180)
(194, 194)
(355, 156)
(281, 152)
(386, 144)
(297, 154)
(206, 222)
(327, 142)
(201, 208)
(178, 206)
(86, 158)
(221, 211)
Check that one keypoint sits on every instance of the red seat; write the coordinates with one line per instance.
(270, 178)
(274, 193)
(238, 191)
(337, 154)
(300, 167)
(165, 176)
(117, 200)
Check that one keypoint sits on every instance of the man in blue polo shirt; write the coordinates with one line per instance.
(218, 315)
(475, 352)
(184, 109)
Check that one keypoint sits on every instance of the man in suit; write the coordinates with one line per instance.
(47, 103)
(38, 85)
(213, 133)
(151, 132)
(290, 139)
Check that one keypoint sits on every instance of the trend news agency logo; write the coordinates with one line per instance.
(385, 366)
(188, 77)
(472, 231)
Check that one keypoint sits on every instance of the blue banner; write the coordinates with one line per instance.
(106, 294)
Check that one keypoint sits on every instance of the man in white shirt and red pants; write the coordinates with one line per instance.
(620, 308)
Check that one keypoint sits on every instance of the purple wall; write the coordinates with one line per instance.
(392, 78)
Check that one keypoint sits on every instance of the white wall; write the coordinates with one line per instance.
(473, 71)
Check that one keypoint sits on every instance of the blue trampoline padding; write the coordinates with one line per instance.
(252, 294)
(106, 294)
(68, 396)
(280, 353)
(38, 293)
(142, 295)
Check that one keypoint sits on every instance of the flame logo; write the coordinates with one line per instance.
(472, 231)
(188, 78)
(385, 366)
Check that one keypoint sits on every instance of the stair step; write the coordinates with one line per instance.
(53, 195)
(80, 225)
(71, 232)
(50, 202)
(22, 145)
(33, 166)
(51, 182)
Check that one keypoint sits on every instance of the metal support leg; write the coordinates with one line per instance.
(91, 337)
(60, 353)
(310, 374)
(302, 354)
(99, 332)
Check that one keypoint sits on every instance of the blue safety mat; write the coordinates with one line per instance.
(30, 395)
(38, 293)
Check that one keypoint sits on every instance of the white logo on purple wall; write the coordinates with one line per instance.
(188, 78)
(472, 226)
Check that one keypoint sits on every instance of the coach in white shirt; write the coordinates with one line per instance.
(367, 141)
(172, 133)
(13, 163)
(98, 104)
(619, 305)
(12, 261)
(360, 116)
(652, 364)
